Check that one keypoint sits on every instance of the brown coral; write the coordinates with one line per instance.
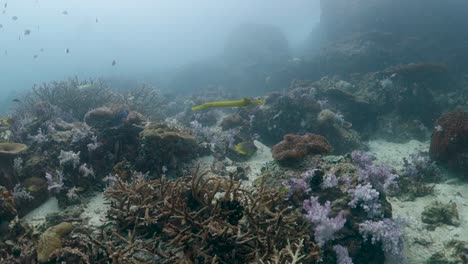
(204, 220)
(296, 147)
(233, 121)
(449, 143)
(115, 116)
(7, 205)
(165, 146)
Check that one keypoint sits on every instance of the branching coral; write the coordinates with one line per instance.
(206, 220)
(144, 99)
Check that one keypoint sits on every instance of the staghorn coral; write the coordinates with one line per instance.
(206, 220)
(72, 96)
(295, 147)
(144, 99)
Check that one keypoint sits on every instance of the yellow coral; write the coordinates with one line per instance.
(51, 240)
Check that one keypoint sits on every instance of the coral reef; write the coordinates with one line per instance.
(338, 194)
(294, 148)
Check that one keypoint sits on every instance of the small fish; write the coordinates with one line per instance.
(64, 12)
(41, 50)
(6, 52)
(97, 20)
(245, 148)
(14, 18)
(16, 100)
(84, 86)
(114, 63)
(35, 56)
(67, 50)
(5, 5)
(1, 26)
(6, 121)
(27, 32)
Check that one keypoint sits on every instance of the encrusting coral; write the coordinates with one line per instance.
(295, 147)
(165, 146)
(51, 240)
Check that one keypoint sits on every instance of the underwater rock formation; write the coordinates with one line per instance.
(362, 36)
(37, 188)
(294, 148)
(449, 143)
(233, 121)
(115, 116)
(165, 148)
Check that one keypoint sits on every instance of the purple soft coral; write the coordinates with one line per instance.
(381, 177)
(362, 159)
(367, 198)
(324, 227)
(388, 232)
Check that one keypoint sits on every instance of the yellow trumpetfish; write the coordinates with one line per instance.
(231, 103)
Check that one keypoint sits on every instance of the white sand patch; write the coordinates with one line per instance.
(257, 162)
(421, 243)
(393, 153)
(205, 162)
(37, 216)
(95, 211)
